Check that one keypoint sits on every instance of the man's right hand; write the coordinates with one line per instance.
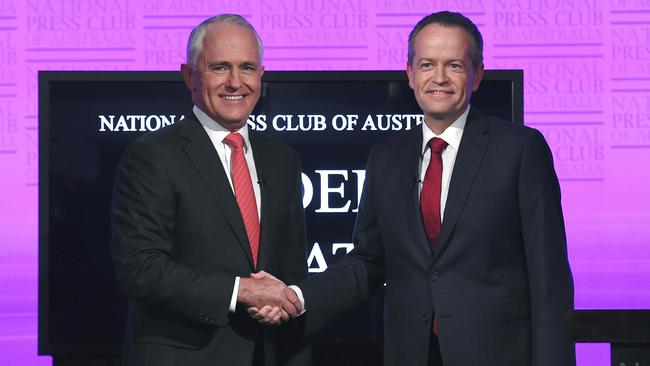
(268, 299)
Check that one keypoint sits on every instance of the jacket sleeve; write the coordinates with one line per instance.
(551, 283)
(353, 278)
(143, 244)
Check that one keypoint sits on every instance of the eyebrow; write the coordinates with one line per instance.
(428, 59)
(229, 63)
(216, 63)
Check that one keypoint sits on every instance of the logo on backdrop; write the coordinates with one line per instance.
(135, 122)
(279, 122)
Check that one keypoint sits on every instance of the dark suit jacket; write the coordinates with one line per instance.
(499, 282)
(179, 241)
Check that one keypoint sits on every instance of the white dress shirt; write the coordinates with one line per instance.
(217, 133)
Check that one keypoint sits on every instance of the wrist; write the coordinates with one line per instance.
(243, 292)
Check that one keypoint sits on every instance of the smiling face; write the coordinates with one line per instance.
(226, 80)
(441, 74)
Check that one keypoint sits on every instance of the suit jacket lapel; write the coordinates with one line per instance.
(202, 154)
(468, 161)
(409, 157)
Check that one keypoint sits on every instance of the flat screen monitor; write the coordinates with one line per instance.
(331, 119)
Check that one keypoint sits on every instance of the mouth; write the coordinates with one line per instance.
(440, 92)
(232, 97)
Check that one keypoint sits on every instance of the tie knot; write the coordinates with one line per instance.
(437, 145)
(234, 140)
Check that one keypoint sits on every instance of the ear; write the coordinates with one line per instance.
(409, 73)
(261, 70)
(478, 76)
(186, 70)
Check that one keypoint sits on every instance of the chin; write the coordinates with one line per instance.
(440, 115)
(235, 125)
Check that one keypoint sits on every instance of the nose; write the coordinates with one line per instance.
(233, 82)
(439, 75)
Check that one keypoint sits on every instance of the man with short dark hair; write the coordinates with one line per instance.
(200, 205)
(462, 221)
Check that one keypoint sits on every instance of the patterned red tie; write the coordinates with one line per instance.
(430, 196)
(241, 180)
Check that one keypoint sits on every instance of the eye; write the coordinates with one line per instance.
(219, 68)
(248, 69)
(456, 66)
(426, 66)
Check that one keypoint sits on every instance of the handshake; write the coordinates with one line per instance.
(267, 299)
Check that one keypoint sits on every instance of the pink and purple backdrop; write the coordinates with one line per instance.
(587, 71)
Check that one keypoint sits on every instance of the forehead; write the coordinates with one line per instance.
(229, 41)
(436, 38)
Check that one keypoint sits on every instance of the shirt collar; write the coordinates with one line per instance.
(217, 131)
(451, 135)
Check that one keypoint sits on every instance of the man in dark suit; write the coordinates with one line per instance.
(461, 219)
(200, 205)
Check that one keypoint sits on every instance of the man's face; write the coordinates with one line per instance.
(441, 74)
(226, 80)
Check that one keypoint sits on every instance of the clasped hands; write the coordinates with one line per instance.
(267, 299)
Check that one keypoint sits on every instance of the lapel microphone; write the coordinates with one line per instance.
(263, 181)
(415, 181)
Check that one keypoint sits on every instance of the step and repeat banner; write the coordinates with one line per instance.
(586, 66)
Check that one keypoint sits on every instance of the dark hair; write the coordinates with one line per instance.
(450, 19)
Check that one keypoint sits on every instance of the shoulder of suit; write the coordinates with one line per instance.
(264, 141)
(504, 127)
(163, 135)
(404, 138)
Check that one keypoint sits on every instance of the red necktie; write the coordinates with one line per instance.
(241, 180)
(430, 196)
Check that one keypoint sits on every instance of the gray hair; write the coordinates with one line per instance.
(195, 42)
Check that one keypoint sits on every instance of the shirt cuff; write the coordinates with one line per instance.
(233, 298)
(298, 292)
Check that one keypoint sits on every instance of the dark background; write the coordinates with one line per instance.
(81, 311)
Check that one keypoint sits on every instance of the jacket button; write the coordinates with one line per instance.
(425, 317)
(434, 276)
